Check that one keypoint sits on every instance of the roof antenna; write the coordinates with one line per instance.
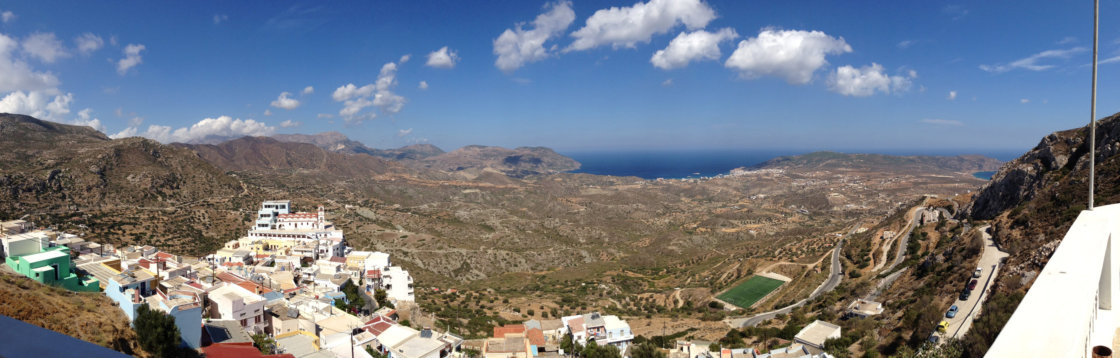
(1093, 106)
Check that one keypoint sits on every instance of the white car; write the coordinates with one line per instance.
(977, 273)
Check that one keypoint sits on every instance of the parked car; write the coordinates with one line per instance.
(972, 285)
(965, 294)
(977, 273)
(952, 312)
(943, 326)
(934, 338)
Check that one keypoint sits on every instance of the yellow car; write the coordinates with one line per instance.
(943, 326)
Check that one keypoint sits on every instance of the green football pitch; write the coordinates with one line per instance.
(750, 291)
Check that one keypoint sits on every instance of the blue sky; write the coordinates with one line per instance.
(572, 75)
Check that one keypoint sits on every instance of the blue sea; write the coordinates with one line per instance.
(680, 164)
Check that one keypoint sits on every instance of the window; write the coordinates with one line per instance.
(244, 322)
(258, 319)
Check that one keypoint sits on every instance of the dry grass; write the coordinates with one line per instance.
(87, 316)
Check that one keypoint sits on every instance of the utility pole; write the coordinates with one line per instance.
(1093, 106)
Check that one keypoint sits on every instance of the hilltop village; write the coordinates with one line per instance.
(292, 282)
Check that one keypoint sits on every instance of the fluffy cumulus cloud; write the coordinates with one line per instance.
(7, 16)
(308, 90)
(44, 46)
(404, 132)
(521, 45)
(865, 81)
(627, 26)
(793, 55)
(423, 85)
(88, 42)
(289, 124)
(285, 101)
(688, 47)
(85, 118)
(380, 94)
(952, 95)
(16, 75)
(1033, 62)
(443, 58)
(131, 58)
(221, 127)
(49, 105)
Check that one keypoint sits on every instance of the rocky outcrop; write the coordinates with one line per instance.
(1054, 158)
(339, 143)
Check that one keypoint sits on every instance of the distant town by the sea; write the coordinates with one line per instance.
(683, 164)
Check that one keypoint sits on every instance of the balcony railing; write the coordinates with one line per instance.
(1072, 306)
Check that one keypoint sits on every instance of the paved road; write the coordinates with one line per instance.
(904, 238)
(834, 278)
(989, 262)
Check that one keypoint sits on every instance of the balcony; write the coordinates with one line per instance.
(1074, 304)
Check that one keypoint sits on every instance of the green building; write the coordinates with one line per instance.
(51, 266)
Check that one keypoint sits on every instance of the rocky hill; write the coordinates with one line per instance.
(882, 162)
(339, 143)
(520, 162)
(1032, 201)
(268, 154)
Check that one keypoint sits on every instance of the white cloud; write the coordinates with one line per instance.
(404, 59)
(404, 132)
(1024, 101)
(688, 47)
(290, 124)
(7, 16)
(355, 99)
(1067, 40)
(1032, 62)
(443, 58)
(267, 112)
(790, 54)
(136, 121)
(324, 115)
(865, 81)
(308, 90)
(905, 44)
(626, 26)
(285, 102)
(16, 75)
(952, 95)
(44, 46)
(223, 126)
(518, 46)
(220, 18)
(1109, 60)
(423, 85)
(88, 42)
(942, 122)
(131, 58)
(667, 83)
(85, 119)
(49, 105)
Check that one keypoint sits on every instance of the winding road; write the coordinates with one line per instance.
(834, 278)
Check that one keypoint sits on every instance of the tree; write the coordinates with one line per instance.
(156, 332)
(264, 343)
(646, 350)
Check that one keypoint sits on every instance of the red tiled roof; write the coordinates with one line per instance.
(536, 337)
(501, 332)
(373, 273)
(254, 287)
(234, 350)
(338, 259)
(164, 255)
(227, 276)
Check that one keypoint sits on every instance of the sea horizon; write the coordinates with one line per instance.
(698, 163)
